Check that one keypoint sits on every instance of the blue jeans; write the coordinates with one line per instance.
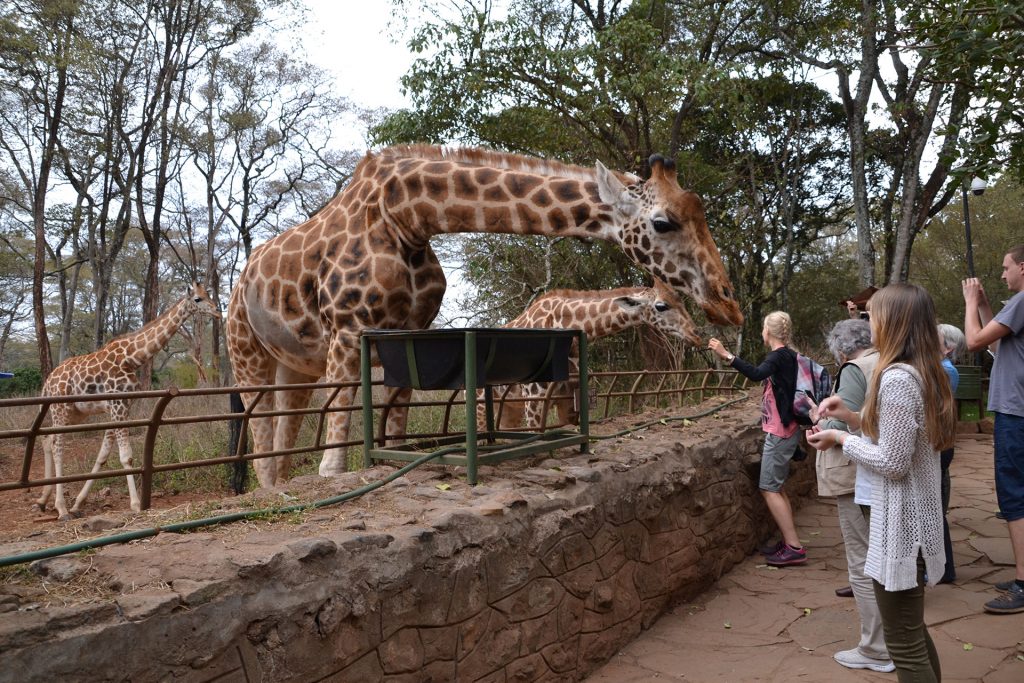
(1009, 465)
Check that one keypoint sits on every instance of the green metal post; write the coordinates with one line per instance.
(489, 412)
(367, 387)
(470, 385)
(584, 394)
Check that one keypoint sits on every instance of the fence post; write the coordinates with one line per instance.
(30, 442)
(155, 421)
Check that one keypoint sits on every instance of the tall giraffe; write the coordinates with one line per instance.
(110, 370)
(365, 261)
(598, 313)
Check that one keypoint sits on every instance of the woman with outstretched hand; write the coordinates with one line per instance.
(781, 440)
(908, 417)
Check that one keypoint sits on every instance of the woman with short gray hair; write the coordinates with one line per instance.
(954, 343)
(850, 344)
(847, 338)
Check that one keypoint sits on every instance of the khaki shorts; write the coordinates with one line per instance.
(775, 459)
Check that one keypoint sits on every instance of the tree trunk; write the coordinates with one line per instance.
(39, 199)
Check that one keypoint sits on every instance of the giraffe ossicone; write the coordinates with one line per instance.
(110, 370)
(364, 261)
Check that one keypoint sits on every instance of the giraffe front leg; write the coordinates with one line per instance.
(47, 472)
(58, 471)
(342, 366)
(101, 459)
(335, 460)
(286, 427)
(398, 416)
(262, 429)
(534, 408)
(124, 447)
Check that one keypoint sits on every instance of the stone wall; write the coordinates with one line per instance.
(540, 574)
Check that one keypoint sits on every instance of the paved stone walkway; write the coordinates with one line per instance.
(764, 624)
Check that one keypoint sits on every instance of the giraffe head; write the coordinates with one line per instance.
(198, 301)
(671, 316)
(664, 229)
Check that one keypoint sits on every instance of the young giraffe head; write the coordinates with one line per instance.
(664, 229)
(667, 313)
(199, 301)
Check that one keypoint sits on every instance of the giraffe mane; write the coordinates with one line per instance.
(142, 329)
(506, 160)
(592, 294)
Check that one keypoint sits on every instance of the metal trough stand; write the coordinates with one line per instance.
(473, 358)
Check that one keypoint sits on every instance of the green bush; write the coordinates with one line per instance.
(26, 382)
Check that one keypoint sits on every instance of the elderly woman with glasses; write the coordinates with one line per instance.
(850, 344)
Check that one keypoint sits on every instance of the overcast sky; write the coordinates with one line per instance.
(350, 39)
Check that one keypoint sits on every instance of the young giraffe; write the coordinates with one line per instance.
(110, 370)
(600, 313)
(365, 261)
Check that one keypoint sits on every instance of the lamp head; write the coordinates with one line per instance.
(978, 186)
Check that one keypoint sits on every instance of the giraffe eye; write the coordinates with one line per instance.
(198, 299)
(662, 225)
(661, 307)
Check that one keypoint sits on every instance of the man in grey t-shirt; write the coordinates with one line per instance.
(1006, 400)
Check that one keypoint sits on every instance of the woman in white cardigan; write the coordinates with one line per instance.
(909, 415)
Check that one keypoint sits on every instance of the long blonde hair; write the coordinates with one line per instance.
(903, 320)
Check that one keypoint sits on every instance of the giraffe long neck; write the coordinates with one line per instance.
(141, 346)
(597, 316)
(424, 198)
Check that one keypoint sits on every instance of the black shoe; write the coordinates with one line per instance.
(948, 578)
(844, 592)
(1004, 585)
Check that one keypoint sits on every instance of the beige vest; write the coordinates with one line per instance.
(837, 474)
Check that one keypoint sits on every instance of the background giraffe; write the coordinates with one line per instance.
(112, 369)
(598, 313)
(364, 261)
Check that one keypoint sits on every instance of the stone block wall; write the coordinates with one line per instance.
(541, 573)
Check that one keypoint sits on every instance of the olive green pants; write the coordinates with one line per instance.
(906, 636)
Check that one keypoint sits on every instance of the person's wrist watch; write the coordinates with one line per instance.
(730, 358)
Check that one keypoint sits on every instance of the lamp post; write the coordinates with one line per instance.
(978, 186)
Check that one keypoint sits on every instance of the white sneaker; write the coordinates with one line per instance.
(853, 659)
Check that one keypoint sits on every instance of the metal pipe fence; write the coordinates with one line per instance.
(608, 391)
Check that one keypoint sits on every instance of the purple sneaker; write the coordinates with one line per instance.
(771, 548)
(786, 556)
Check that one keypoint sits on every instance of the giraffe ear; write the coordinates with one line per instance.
(627, 302)
(612, 192)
